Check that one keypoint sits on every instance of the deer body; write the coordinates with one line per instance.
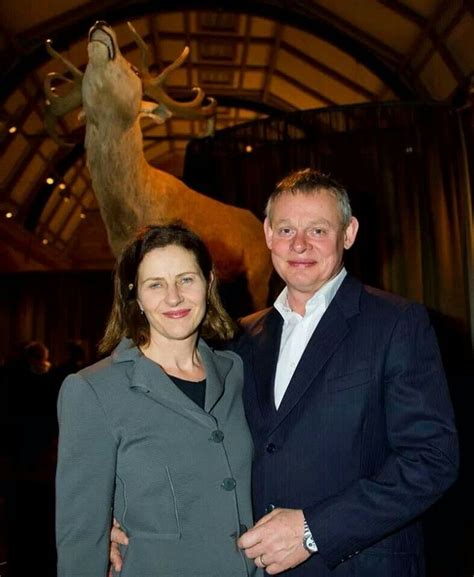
(131, 193)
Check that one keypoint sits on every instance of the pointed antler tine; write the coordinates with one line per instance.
(52, 52)
(56, 105)
(145, 55)
(162, 77)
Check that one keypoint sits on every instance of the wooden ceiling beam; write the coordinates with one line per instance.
(405, 12)
(78, 174)
(457, 17)
(29, 244)
(305, 88)
(347, 82)
(245, 51)
(428, 31)
(375, 55)
(273, 59)
(155, 41)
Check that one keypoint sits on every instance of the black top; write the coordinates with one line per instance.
(195, 390)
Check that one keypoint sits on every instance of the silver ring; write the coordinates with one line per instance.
(260, 558)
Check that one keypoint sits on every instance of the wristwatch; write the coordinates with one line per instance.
(308, 541)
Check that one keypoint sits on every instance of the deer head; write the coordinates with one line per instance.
(112, 90)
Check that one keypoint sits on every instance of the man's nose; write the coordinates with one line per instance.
(300, 242)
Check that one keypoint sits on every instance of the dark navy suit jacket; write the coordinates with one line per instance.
(364, 440)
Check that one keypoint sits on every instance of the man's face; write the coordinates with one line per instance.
(307, 241)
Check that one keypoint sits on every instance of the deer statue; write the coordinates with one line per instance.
(130, 192)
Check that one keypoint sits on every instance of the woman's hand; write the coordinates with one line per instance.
(117, 537)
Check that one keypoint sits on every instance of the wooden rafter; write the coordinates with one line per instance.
(155, 41)
(245, 52)
(428, 28)
(273, 58)
(344, 80)
(305, 88)
(457, 17)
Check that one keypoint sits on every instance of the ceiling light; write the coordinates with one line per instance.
(9, 214)
(82, 215)
(12, 129)
(62, 186)
(45, 241)
(50, 180)
(248, 148)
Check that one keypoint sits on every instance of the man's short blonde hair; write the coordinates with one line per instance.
(310, 181)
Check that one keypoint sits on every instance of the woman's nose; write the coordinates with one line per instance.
(173, 295)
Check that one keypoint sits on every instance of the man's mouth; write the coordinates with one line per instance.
(301, 263)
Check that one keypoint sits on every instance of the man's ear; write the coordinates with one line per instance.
(267, 229)
(351, 232)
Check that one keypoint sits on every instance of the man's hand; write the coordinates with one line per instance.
(276, 541)
(117, 537)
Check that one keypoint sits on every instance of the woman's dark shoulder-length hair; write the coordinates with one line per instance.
(126, 319)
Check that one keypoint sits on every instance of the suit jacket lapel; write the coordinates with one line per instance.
(329, 333)
(217, 369)
(266, 347)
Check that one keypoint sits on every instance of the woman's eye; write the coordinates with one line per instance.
(187, 280)
(156, 285)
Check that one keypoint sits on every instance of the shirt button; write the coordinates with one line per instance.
(228, 484)
(270, 448)
(269, 508)
(217, 436)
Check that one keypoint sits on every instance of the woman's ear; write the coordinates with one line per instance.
(212, 279)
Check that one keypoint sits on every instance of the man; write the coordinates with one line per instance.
(346, 400)
(347, 403)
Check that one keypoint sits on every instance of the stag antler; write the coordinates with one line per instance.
(56, 105)
(153, 87)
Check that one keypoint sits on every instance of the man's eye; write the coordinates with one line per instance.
(285, 231)
(317, 231)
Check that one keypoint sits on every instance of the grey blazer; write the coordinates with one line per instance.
(176, 477)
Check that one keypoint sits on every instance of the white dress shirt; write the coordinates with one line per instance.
(297, 330)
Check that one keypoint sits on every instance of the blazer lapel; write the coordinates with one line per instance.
(330, 332)
(149, 378)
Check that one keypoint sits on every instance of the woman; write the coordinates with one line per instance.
(155, 434)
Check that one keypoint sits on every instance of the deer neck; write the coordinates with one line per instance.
(119, 173)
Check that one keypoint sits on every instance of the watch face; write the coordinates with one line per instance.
(309, 544)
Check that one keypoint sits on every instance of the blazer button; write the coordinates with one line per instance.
(269, 508)
(270, 448)
(217, 436)
(228, 484)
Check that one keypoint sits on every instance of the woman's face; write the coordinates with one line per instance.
(172, 292)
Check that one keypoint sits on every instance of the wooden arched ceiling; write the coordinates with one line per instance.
(256, 58)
